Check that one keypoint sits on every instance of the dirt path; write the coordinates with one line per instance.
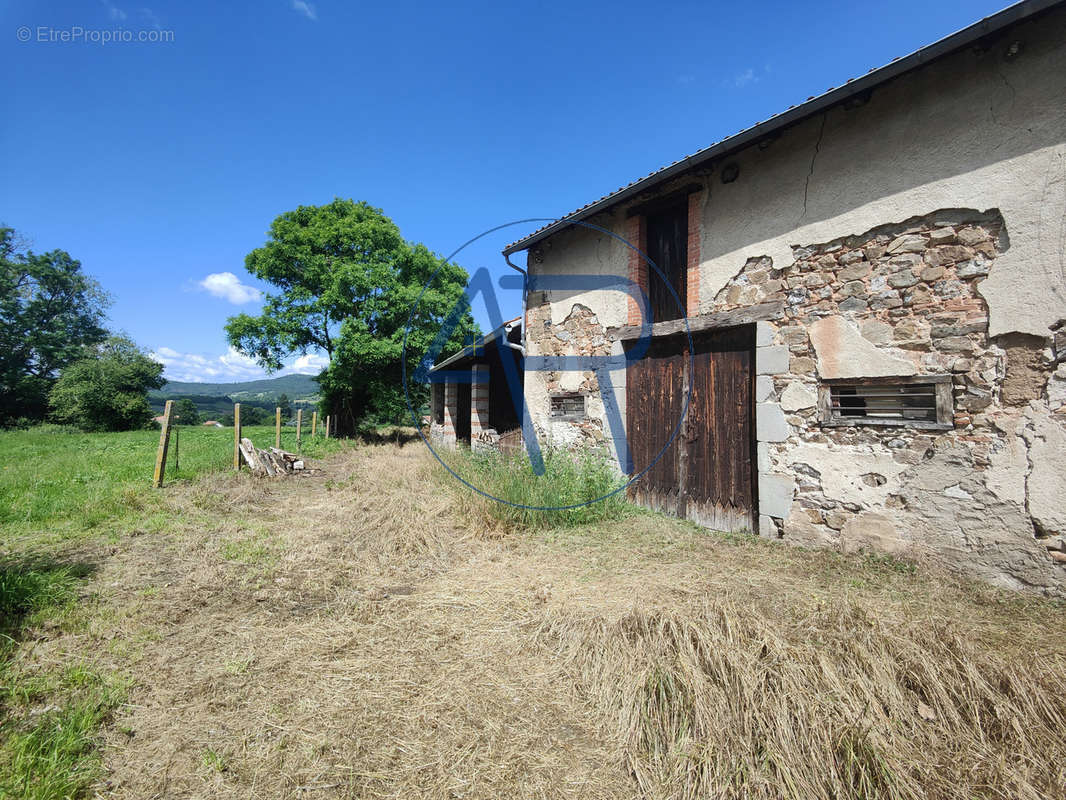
(354, 635)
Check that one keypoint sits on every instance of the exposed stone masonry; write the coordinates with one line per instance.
(905, 300)
(579, 334)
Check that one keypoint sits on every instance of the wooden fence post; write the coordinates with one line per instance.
(164, 441)
(314, 423)
(237, 436)
(299, 426)
(277, 427)
(327, 425)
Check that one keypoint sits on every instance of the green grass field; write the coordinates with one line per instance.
(57, 485)
(61, 490)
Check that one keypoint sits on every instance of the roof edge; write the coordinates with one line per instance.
(470, 350)
(925, 55)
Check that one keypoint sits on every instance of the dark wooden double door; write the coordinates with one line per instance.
(707, 471)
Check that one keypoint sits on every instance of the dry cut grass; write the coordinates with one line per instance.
(725, 700)
(354, 635)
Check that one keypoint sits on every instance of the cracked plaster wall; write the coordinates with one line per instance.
(974, 130)
(984, 496)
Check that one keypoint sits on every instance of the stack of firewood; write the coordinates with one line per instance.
(273, 462)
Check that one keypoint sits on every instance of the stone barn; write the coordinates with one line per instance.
(471, 401)
(862, 302)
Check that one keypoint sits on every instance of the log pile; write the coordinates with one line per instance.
(273, 463)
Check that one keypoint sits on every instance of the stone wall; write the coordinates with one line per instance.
(444, 433)
(579, 333)
(904, 300)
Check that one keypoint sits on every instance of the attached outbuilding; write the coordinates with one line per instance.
(471, 400)
(858, 315)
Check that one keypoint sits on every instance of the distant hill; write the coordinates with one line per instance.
(297, 387)
(217, 398)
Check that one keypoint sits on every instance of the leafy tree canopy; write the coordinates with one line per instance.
(346, 282)
(50, 311)
(107, 390)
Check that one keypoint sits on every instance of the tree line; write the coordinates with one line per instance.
(57, 360)
(345, 284)
(187, 410)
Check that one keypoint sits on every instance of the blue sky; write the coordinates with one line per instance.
(160, 165)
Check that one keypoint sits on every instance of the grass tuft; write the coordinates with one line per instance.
(49, 752)
(28, 586)
(48, 720)
(532, 501)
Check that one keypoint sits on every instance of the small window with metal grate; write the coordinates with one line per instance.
(920, 401)
(567, 406)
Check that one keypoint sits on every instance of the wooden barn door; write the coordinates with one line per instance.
(721, 469)
(707, 474)
(655, 392)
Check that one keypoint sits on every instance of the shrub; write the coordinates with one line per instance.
(108, 389)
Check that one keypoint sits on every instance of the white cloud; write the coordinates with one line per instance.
(231, 366)
(744, 78)
(114, 12)
(238, 362)
(311, 364)
(229, 287)
(305, 8)
(149, 18)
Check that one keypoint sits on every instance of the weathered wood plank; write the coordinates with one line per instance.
(249, 454)
(720, 441)
(667, 248)
(702, 322)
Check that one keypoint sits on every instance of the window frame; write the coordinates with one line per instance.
(942, 387)
(661, 292)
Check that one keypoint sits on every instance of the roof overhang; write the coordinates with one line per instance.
(469, 351)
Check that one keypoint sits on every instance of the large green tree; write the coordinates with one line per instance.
(50, 311)
(107, 390)
(346, 282)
